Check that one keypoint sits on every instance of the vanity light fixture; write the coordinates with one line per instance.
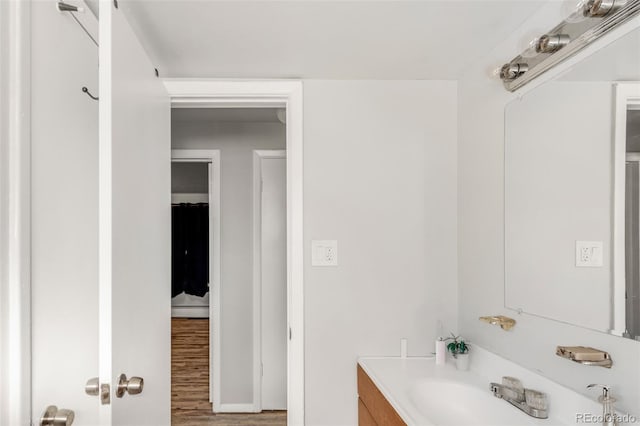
(552, 43)
(510, 72)
(591, 20)
(599, 8)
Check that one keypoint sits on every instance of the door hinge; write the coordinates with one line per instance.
(261, 369)
(115, 3)
(289, 333)
(261, 186)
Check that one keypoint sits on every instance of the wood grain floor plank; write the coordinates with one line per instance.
(190, 364)
(190, 404)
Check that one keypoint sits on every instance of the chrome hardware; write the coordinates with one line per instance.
(511, 71)
(531, 402)
(505, 323)
(132, 386)
(53, 416)
(65, 7)
(606, 390)
(609, 417)
(585, 355)
(105, 394)
(92, 388)
(552, 43)
(595, 19)
(599, 8)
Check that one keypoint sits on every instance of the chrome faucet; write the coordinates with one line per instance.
(532, 402)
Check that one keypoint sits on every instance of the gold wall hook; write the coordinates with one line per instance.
(505, 323)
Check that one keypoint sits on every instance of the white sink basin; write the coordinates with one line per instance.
(425, 394)
(450, 403)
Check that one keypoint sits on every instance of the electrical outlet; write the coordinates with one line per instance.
(589, 254)
(324, 253)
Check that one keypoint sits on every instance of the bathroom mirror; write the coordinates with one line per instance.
(571, 209)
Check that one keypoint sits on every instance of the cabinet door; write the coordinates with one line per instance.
(134, 226)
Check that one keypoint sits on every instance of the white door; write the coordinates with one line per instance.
(134, 226)
(64, 212)
(274, 284)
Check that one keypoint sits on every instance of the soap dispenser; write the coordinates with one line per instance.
(609, 417)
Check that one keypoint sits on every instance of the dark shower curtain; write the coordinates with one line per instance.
(189, 249)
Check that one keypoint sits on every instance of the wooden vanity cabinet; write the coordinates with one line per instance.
(373, 407)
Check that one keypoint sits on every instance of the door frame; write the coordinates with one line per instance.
(15, 212)
(258, 156)
(626, 95)
(194, 93)
(211, 157)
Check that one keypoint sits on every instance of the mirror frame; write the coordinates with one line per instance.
(627, 95)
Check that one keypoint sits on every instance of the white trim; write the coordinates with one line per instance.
(258, 156)
(211, 156)
(191, 312)
(287, 93)
(257, 288)
(238, 408)
(15, 213)
(625, 94)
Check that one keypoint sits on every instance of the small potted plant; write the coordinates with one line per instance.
(460, 351)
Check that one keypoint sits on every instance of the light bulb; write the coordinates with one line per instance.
(527, 43)
(574, 12)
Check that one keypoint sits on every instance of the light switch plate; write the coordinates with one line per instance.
(589, 254)
(324, 253)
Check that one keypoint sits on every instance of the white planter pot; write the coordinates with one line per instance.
(462, 362)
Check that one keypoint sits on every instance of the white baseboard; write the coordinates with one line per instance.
(190, 312)
(238, 408)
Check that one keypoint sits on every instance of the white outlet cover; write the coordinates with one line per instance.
(324, 253)
(589, 254)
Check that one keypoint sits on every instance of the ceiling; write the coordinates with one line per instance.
(391, 39)
(225, 115)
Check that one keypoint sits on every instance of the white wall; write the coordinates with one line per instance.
(481, 231)
(64, 214)
(558, 190)
(379, 177)
(236, 142)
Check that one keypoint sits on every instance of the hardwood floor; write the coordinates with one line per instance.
(202, 418)
(189, 364)
(190, 404)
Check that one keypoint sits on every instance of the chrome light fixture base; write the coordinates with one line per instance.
(567, 39)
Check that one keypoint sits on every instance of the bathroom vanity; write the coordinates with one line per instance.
(415, 391)
(373, 408)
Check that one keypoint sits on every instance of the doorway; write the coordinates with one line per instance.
(235, 361)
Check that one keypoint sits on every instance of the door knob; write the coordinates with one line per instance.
(132, 386)
(53, 416)
(94, 388)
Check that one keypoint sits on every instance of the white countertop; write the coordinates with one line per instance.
(396, 377)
